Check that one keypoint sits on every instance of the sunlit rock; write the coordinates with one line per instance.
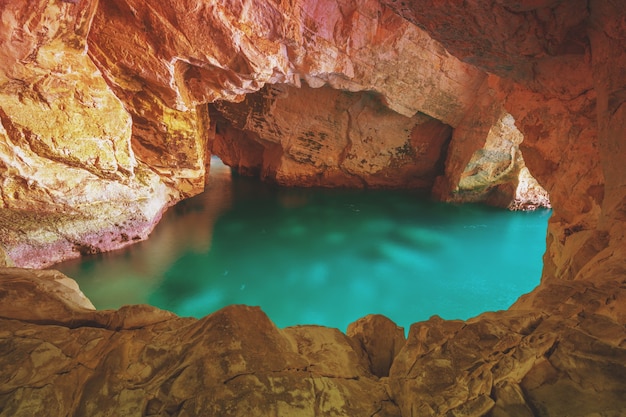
(495, 174)
(529, 194)
(70, 181)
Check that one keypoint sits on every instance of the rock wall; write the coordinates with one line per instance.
(69, 180)
(104, 120)
(547, 82)
(326, 137)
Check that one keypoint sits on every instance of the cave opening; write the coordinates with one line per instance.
(311, 255)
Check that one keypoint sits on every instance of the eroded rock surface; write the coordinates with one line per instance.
(103, 122)
(325, 137)
(69, 180)
(68, 359)
(543, 56)
(381, 339)
(495, 174)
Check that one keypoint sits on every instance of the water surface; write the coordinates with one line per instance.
(328, 257)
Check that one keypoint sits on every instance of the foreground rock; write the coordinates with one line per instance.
(61, 356)
(67, 359)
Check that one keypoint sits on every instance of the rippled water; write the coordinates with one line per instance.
(329, 257)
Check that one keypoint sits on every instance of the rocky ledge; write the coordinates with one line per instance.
(62, 356)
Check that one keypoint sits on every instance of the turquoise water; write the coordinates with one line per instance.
(328, 257)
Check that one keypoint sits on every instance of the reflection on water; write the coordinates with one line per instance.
(329, 257)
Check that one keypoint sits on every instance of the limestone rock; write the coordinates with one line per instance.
(103, 109)
(510, 401)
(529, 194)
(484, 162)
(324, 137)
(547, 86)
(329, 352)
(104, 102)
(142, 361)
(516, 40)
(349, 46)
(381, 339)
(69, 180)
(488, 365)
(62, 297)
(5, 261)
(199, 60)
(498, 162)
(495, 174)
(68, 359)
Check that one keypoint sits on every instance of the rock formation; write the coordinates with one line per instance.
(358, 143)
(143, 361)
(62, 356)
(104, 122)
(70, 182)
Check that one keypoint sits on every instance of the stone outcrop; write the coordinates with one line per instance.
(64, 357)
(381, 339)
(69, 180)
(495, 174)
(68, 359)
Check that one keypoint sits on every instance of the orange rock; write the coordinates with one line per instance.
(103, 123)
(381, 339)
(70, 181)
(324, 137)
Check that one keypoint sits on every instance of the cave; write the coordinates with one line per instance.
(110, 112)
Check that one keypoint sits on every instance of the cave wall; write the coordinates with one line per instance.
(542, 53)
(326, 137)
(70, 182)
(104, 124)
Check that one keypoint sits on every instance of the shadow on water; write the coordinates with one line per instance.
(317, 256)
